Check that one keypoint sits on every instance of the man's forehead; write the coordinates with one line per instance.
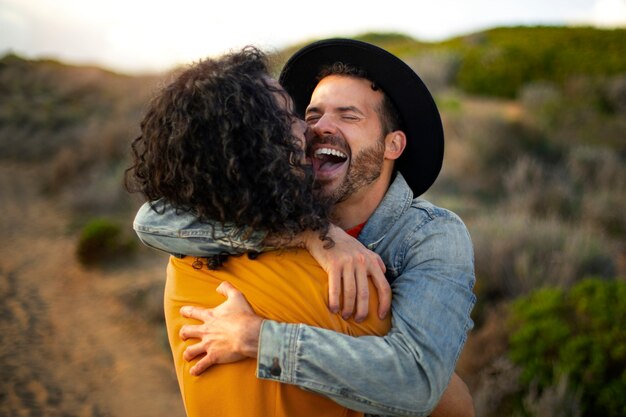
(345, 81)
(345, 92)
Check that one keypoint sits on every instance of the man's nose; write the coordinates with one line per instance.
(324, 126)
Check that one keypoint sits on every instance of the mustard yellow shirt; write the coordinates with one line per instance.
(287, 286)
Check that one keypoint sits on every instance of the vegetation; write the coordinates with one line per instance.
(500, 61)
(578, 335)
(102, 239)
(48, 106)
(75, 121)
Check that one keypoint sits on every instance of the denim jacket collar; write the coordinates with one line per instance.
(393, 205)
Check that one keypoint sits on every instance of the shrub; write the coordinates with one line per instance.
(578, 334)
(500, 61)
(482, 144)
(516, 253)
(540, 189)
(579, 111)
(585, 189)
(496, 391)
(600, 175)
(558, 400)
(101, 240)
(47, 106)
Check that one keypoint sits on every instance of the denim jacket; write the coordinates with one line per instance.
(161, 226)
(429, 258)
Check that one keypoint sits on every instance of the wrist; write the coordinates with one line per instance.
(249, 336)
(309, 240)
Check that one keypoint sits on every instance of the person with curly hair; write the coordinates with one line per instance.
(221, 142)
(378, 145)
(205, 130)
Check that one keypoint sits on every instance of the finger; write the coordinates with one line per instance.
(384, 292)
(349, 291)
(334, 289)
(362, 293)
(380, 262)
(193, 351)
(202, 365)
(190, 331)
(229, 291)
(194, 312)
(235, 300)
(226, 289)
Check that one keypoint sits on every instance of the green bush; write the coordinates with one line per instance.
(101, 240)
(500, 61)
(580, 335)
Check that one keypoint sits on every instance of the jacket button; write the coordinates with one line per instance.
(275, 369)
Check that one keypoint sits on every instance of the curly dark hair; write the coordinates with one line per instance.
(217, 142)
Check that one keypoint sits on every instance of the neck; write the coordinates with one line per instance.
(360, 206)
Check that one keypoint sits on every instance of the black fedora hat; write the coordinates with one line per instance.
(421, 160)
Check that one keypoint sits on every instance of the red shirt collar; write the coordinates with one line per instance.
(354, 231)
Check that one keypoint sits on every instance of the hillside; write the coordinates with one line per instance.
(48, 106)
(500, 61)
(535, 164)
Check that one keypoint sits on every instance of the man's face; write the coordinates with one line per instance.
(347, 150)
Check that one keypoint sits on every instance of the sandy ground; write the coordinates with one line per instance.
(70, 344)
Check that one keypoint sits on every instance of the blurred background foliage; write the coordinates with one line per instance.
(574, 335)
(535, 122)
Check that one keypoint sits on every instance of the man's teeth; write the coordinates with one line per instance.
(328, 151)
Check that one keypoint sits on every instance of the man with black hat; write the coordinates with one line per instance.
(378, 145)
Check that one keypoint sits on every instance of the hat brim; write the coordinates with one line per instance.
(422, 158)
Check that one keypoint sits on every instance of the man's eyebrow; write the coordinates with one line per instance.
(311, 110)
(341, 109)
(349, 108)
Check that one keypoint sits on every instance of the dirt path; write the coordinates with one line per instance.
(69, 344)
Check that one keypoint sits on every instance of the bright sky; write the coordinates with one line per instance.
(148, 35)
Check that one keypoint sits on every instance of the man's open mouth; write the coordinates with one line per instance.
(326, 161)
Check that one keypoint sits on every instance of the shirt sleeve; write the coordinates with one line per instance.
(405, 372)
(160, 226)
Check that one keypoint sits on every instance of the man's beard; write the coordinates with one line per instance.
(364, 169)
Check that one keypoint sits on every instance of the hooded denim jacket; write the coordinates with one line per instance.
(429, 258)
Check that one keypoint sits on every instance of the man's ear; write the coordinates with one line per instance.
(395, 142)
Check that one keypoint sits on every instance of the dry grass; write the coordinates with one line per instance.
(516, 253)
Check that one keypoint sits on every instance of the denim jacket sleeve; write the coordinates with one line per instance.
(160, 226)
(405, 372)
